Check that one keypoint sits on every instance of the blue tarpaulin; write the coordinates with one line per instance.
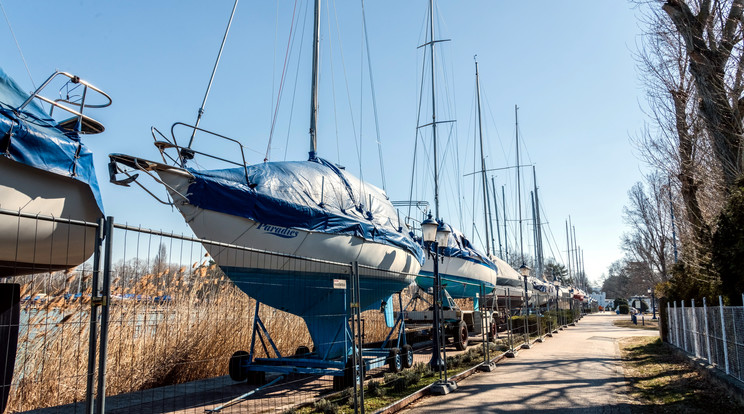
(311, 195)
(32, 137)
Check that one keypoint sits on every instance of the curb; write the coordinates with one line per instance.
(405, 401)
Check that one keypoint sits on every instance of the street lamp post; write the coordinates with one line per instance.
(557, 285)
(436, 234)
(653, 302)
(525, 271)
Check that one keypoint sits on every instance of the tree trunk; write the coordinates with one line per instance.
(707, 66)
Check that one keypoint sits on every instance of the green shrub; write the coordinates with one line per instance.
(326, 407)
(422, 369)
(375, 389)
(624, 309)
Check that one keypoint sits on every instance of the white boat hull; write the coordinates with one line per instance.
(29, 245)
(461, 278)
(241, 231)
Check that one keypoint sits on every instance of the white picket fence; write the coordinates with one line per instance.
(712, 333)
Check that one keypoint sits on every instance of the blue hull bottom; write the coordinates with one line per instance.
(458, 287)
(312, 297)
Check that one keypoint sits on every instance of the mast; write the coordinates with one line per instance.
(538, 227)
(568, 248)
(486, 207)
(433, 110)
(519, 188)
(314, 87)
(506, 239)
(496, 213)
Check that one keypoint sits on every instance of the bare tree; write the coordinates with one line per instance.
(648, 215)
(711, 31)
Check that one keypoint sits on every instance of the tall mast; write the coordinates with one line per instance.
(538, 227)
(568, 248)
(433, 110)
(506, 239)
(496, 211)
(486, 208)
(314, 87)
(519, 186)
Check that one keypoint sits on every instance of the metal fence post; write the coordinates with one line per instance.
(707, 331)
(93, 334)
(106, 300)
(684, 327)
(669, 323)
(723, 330)
(694, 328)
(676, 326)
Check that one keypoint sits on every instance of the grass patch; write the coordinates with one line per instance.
(650, 324)
(658, 381)
(379, 393)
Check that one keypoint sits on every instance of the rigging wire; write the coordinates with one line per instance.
(348, 90)
(200, 113)
(418, 120)
(23, 58)
(294, 89)
(281, 81)
(333, 87)
(374, 98)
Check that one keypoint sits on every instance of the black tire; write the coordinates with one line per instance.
(302, 350)
(256, 377)
(461, 336)
(342, 382)
(235, 367)
(394, 360)
(406, 354)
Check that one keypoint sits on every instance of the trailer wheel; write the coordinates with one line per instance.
(407, 356)
(492, 332)
(235, 367)
(344, 381)
(302, 350)
(461, 336)
(395, 362)
(256, 377)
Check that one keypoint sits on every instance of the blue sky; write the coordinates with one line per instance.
(567, 65)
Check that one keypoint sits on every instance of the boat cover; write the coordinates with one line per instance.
(459, 246)
(313, 195)
(32, 137)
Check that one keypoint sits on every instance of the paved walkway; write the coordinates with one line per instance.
(577, 370)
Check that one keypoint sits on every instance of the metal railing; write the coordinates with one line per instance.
(712, 333)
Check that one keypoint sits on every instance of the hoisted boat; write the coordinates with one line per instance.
(295, 217)
(46, 170)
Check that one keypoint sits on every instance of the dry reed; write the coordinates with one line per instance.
(154, 339)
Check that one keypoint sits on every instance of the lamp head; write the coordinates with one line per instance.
(524, 270)
(429, 229)
(443, 233)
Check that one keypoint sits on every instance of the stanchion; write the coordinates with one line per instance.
(511, 353)
(487, 365)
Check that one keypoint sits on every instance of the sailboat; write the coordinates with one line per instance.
(286, 232)
(464, 270)
(47, 171)
(48, 192)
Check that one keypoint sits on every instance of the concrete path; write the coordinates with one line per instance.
(577, 370)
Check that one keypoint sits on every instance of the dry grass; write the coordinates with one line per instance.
(151, 344)
(648, 324)
(659, 382)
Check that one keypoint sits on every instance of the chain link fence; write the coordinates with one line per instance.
(150, 323)
(712, 333)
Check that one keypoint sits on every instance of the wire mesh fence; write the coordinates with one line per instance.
(172, 323)
(712, 333)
